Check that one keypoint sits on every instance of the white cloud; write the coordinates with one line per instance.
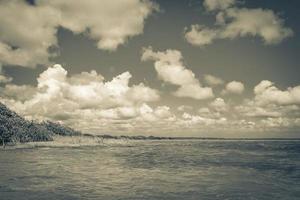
(256, 22)
(234, 22)
(234, 87)
(170, 69)
(262, 86)
(212, 112)
(268, 116)
(211, 5)
(58, 95)
(110, 23)
(204, 110)
(169, 66)
(184, 108)
(18, 92)
(26, 42)
(86, 78)
(194, 120)
(250, 109)
(26, 33)
(200, 35)
(261, 112)
(276, 122)
(163, 112)
(266, 93)
(194, 91)
(213, 80)
(219, 105)
(216, 109)
(86, 102)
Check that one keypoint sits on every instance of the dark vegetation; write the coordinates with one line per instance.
(59, 129)
(14, 128)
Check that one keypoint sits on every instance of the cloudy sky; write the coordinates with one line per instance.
(212, 68)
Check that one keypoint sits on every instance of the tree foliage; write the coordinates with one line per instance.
(14, 128)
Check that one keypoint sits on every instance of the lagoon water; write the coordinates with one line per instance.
(164, 170)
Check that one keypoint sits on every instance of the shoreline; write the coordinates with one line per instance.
(139, 137)
(87, 140)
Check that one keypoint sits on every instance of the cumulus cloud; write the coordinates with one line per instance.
(88, 102)
(110, 23)
(256, 22)
(213, 80)
(18, 92)
(268, 115)
(219, 105)
(26, 33)
(259, 112)
(26, 42)
(266, 93)
(200, 35)
(280, 123)
(189, 119)
(184, 108)
(204, 111)
(86, 78)
(249, 108)
(141, 112)
(233, 22)
(250, 116)
(170, 69)
(234, 87)
(194, 91)
(57, 95)
(212, 5)
(125, 119)
(215, 109)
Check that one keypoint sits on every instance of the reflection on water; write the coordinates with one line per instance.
(137, 170)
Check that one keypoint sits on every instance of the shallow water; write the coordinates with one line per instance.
(134, 170)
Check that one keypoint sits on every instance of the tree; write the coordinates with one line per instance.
(5, 133)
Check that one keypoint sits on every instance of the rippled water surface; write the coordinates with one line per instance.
(135, 170)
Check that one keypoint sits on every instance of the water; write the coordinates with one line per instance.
(135, 170)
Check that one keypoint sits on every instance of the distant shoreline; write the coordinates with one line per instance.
(139, 137)
(96, 140)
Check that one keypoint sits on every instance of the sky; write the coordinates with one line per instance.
(204, 68)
